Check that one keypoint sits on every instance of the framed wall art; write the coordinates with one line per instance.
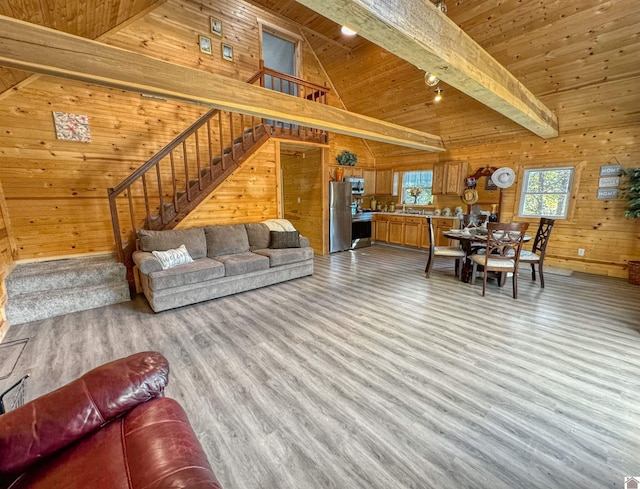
(72, 127)
(227, 52)
(205, 45)
(216, 26)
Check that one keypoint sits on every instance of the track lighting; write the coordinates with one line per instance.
(438, 96)
(441, 5)
(430, 79)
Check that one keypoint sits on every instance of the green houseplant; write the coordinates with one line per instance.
(631, 192)
(347, 158)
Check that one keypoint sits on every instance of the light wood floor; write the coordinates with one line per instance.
(369, 375)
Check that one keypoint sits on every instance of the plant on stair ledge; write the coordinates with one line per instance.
(347, 158)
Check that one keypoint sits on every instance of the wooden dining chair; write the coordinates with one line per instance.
(504, 244)
(450, 252)
(536, 255)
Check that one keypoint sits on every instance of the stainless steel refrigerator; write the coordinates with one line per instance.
(339, 216)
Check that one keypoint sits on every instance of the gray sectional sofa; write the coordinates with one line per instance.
(225, 260)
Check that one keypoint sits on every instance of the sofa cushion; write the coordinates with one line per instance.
(172, 258)
(193, 239)
(285, 256)
(226, 240)
(258, 234)
(241, 263)
(284, 239)
(192, 273)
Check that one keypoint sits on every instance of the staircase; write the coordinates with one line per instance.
(169, 186)
(52, 288)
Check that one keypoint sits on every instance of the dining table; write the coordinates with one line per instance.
(468, 237)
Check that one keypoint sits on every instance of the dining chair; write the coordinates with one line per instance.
(504, 244)
(450, 252)
(536, 255)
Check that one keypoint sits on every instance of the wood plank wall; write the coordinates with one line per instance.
(6, 259)
(303, 178)
(57, 190)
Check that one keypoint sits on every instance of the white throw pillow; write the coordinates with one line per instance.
(173, 258)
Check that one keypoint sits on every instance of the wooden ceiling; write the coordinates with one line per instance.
(85, 18)
(571, 55)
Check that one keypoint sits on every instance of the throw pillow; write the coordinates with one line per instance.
(173, 258)
(284, 239)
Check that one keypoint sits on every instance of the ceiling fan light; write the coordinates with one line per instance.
(438, 96)
(430, 79)
(348, 32)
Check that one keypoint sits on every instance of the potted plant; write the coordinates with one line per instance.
(347, 158)
(631, 192)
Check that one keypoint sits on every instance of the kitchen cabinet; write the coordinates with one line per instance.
(439, 225)
(448, 178)
(369, 182)
(396, 229)
(411, 232)
(380, 229)
(384, 182)
(352, 171)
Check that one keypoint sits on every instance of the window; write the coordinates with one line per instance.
(416, 187)
(546, 192)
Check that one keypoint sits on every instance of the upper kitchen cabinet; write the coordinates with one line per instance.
(448, 177)
(384, 182)
(369, 182)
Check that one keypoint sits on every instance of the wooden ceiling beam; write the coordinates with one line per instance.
(41, 50)
(417, 32)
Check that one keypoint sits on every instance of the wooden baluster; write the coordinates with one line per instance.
(186, 171)
(253, 128)
(233, 146)
(146, 198)
(222, 162)
(198, 160)
(210, 146)
(162, 212)
(132, 216)
(174, 181)
(242, 128)
(115, 223)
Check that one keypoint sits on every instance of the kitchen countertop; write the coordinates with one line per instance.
(366, 216)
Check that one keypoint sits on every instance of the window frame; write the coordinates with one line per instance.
(573, 192)
(401, 188)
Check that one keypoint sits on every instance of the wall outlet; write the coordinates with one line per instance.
(580, 251)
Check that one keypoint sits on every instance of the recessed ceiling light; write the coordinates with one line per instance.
(348, 32)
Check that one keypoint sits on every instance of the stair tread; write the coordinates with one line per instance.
(56, 266)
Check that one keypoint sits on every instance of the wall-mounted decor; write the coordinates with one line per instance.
(72, 127)
(489, 185)
(227, 52)
(205, 44)
(216, 26)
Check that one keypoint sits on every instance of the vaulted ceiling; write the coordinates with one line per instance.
(573, 56)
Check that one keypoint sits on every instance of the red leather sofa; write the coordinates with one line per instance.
(111, 428)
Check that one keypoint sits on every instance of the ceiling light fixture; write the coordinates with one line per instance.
(430, 79)
(438, 96)
(441, 5)
(348, 32)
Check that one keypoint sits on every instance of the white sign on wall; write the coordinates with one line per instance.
(609, 182)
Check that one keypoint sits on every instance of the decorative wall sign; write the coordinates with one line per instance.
(205, 44)
(72, 127)
(607, 193)
(610, 170)
(216, 26)
(227, 52)
(609, 182)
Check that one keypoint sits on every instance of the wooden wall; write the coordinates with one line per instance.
(303, 178)
(57, 190)
(7, 250)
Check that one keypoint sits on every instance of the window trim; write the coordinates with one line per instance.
(400, 187)
(573, 194)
